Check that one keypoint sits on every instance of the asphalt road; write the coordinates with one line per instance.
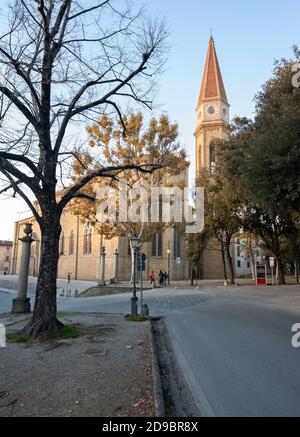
(233, 345)
(236, 353)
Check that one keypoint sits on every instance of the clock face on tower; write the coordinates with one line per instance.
(211, 110)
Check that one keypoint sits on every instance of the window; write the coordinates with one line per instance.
(248, 265)
(176, 242)
(212, 158)
(239, 264)
(7, 258)
(71, 243)
(129, 248)
(157, 245)
(153, 246)
(238, 251)
(87, 239)
(62, 243)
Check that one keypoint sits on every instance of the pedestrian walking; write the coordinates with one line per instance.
(165, 278)
(161, 278)
(152, 279)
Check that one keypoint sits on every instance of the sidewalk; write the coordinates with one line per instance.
(107, 371)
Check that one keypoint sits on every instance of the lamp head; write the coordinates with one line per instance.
(135, 241)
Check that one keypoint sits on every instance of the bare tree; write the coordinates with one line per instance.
(63, 62)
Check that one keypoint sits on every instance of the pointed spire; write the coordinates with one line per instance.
(212, 82)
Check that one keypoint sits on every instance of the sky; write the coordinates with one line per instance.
(248, 36)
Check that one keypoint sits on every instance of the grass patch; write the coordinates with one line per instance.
(15, 338)
(67, 314)
(138, 318)
(68, 331)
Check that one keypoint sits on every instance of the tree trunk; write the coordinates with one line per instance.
(45, 308)
(193, 273)
(224, 261)
(297, 270)
(252, 260)
(280, 269)
(229, 257)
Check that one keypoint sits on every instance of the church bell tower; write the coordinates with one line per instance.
(212, 112)
(212, 124)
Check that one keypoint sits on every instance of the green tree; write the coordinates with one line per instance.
(271, 221)
(223, 204)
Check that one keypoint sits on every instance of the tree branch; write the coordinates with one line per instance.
(7, 167)
(15, 186)
(88, 10)
(23, 159)
(103, 172)
(22, 108)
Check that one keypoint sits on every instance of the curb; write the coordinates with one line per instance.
(159, 404)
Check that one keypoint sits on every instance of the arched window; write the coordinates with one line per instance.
(71, 243)
(87, 239)
(212, 157)
(62, 243)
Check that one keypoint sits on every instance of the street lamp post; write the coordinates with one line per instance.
(134, 300)
(169, 262)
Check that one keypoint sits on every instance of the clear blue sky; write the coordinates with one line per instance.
(248, 35)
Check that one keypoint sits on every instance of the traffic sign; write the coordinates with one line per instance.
(141, 262)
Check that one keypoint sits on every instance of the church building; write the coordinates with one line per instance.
(80, 245)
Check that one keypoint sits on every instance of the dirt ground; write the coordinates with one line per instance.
(105, 372)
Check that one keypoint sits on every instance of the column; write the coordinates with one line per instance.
(102, 268)
(22, 303)
(116, 266)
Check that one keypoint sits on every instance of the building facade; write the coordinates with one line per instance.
(80, 247)
(5, 256)
(80, 251)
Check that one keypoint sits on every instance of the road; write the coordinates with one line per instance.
(233, 344)
(236, 353)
